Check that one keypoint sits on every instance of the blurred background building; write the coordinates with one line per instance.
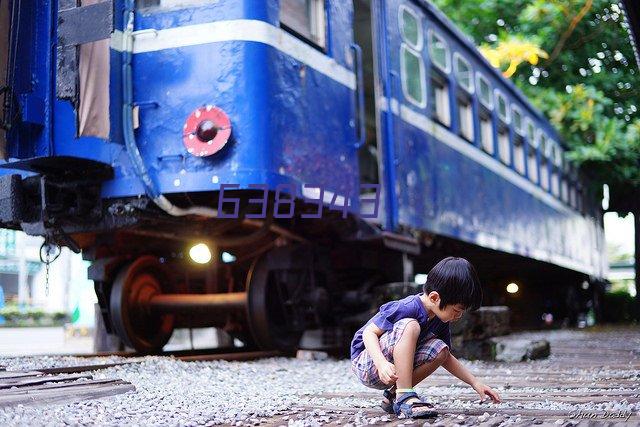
(620, 250)
(23, 280)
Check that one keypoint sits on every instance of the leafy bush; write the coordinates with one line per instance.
(60, 316)
(15, 315)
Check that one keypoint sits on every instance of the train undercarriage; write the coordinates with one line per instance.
(275, 291)
(279, 278)
(267, 293)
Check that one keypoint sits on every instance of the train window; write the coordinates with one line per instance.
(556, 153)
(519, 154)
(573, 197)
(485, 92)
(518, 123)
(564, 190)
(463, 72)
(410, 27)
(504, 147)
(580, 201)
(556, 159)
(531, 131)
(566, 165)
(305, 18)
(542, 142)
(532, 162)
(486, 133)
(555, 182)
(439, 52)
(413, 78)
(532, 165)
(546, 146)
(544, 164)
(442, 108)
(519, 157)
(569, 178)
(89, 84)
(503, 107)
(544, 173)
(465, 117)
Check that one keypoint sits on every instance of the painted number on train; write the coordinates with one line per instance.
(284, 202)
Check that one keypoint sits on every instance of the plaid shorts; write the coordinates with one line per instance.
(426, 350)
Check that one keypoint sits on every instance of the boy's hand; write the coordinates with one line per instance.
(484, 391)
(387, 372)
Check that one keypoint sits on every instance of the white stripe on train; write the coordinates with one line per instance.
(249, 30)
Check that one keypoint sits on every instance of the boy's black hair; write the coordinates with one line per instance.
(456, 280)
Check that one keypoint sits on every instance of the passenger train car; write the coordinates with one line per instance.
(316, 150)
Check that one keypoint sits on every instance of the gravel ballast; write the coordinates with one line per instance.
(285, 391)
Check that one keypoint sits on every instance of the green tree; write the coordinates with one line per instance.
(588, 85)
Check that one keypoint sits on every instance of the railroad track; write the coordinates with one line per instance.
(72, 383)
(175, 353)
(185, 356)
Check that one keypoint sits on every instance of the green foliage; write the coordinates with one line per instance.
(589, 85)
(14, 315)
(607, 147)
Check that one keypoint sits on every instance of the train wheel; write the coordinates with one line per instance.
(275, 308)
(133, 321)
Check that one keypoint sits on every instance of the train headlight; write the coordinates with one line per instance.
(512, 288)
(200, 253)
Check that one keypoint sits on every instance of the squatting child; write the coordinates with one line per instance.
(409, 339)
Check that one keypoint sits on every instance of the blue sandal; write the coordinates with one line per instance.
(419, 409)
(391, 397)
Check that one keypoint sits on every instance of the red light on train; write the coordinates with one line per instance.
(206, 131)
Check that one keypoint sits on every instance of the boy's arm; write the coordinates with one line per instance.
(371, 338)
(456, 368)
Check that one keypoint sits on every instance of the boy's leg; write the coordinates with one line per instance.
(403, 355)
(426, 369)
(363, 365)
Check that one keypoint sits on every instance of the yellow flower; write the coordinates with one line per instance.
(513, 51)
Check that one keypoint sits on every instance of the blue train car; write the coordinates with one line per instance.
(315, 150)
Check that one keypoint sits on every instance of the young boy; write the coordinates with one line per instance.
(410, 338)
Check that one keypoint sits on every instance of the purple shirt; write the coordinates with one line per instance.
(410, 307)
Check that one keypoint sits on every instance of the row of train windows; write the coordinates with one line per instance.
(551, 171)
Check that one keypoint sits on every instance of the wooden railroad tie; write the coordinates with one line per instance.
(37, 387)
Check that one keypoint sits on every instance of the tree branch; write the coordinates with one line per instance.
(572, 26)
(586, 39)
